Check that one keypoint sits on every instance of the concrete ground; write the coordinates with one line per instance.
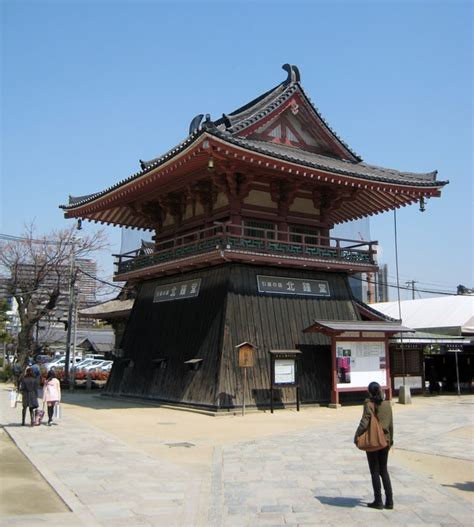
(123, 463)
(23, 489)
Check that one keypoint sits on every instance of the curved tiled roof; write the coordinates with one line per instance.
(230, 127)
(363, 307)
(259, 108)
(339, 166)
(265, 104)
(75, 200)
(284, 153)
(146, 167)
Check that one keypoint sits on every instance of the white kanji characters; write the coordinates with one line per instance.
(306, 287)
(290, 286)
(323, 288)
(193, 289)
(173, 291)
(182, 289)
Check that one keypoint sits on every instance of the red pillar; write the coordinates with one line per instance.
(388, 376)
(334, 391)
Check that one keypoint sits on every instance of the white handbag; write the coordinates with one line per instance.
(13, 398)
(58, 412)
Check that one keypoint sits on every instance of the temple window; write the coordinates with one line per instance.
(259, 229)
(304, 234)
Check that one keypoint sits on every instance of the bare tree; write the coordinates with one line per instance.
(3, 321)
(38, 272)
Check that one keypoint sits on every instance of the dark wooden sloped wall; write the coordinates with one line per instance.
(177, 330)
(272, 321)
(228, 311)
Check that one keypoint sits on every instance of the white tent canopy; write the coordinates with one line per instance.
(447, 314)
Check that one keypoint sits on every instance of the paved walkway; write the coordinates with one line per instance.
(304, 471)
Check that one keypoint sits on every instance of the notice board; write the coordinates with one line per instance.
(360, 363)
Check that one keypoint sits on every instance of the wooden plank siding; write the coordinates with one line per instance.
(228, 310)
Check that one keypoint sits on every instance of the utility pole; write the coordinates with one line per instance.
(412, 283)
(74, 341)
(70, 314)
(404, 395)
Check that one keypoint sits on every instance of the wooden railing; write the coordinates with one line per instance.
(242, 238)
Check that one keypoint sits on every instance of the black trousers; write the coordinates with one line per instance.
(23, 413)
(378, 470)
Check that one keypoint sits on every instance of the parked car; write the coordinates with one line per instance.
(61, 362)
(84, 362)
(43, 359)
(95, 365)
(107, 367)
(96, 356)
(52, 363)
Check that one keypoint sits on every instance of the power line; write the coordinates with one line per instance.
(407, 278)
(407, 288)
(99, 279)
(10, 238)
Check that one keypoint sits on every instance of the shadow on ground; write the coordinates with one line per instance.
(339, 501)
(467, 486)
(96, 401)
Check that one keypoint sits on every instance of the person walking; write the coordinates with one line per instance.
(378, 460)
(51, 393)
(17, 372)
(35, 368)
(29, 386)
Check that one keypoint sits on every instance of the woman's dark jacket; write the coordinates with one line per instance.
(29, 387)
(383, 412)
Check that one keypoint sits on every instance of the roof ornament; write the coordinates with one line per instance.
(208, 124)
(227, 122)
(195, 123)
(293, 73)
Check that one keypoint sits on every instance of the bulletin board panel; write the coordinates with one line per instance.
(359, 363)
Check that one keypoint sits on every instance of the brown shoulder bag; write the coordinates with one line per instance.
(373, 438)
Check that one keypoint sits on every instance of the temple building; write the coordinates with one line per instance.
(241, 213)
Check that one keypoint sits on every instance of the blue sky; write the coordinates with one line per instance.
(91, 87)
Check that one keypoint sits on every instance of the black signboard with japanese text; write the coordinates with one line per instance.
(292, 286)
(177, 291)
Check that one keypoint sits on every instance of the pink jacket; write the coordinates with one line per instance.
(52, 391)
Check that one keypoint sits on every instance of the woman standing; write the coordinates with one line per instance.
(29, 386)
(378, 459)
(51, 393)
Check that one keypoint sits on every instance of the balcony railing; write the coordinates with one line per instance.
(230, 238)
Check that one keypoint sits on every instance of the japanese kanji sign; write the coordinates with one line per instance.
(177, 291)
(292, 286)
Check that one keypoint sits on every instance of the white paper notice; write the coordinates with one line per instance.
(284, 371)
(360, 363)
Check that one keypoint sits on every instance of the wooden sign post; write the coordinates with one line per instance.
(246, 360)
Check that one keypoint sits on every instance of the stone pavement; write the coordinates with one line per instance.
(298, 476)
